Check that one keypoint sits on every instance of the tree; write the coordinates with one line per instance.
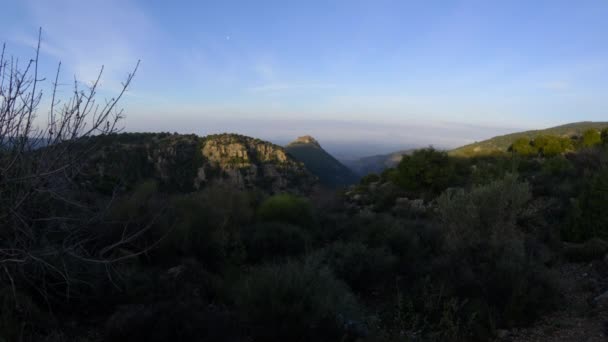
(41, 219)
(604, 136)
(425, 171)
(523, 146)
(286, 208)
(552, 148)
(591, 137)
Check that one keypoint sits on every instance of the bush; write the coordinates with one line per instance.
(206, 225)
(370, 178)
(486, 252)
(591, 137)
(273, 240)
(296, 301)
(410, 242)
(172, 321)
(286, 208)
(425, 171)
(361, 267)
(523, 146)
(589, 214)
(485, 212)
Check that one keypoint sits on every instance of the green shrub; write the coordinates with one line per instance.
(272, 240)
(410, 242)
(486, 254)
(361, 267)
(482, 213)
(604, 136)
(523, 146)
(286, 208)
(591, 137)
(425, 171)
(296, 301)
(588, 217)
(370, 178)
(206, 224)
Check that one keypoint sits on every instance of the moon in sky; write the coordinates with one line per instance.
(227, 37)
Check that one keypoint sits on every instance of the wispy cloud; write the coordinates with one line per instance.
(278, 87)
(85, 35)
(555, 85)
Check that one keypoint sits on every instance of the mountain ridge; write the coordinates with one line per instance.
(501, 143)
(331, 171)
(190, 162)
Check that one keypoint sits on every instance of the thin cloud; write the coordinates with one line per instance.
(556, 85)
(278, 87)
(85, 35)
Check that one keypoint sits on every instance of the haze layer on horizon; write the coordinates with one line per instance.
(390, 73)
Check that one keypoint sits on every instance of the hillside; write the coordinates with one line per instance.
(329, 170)
(501, 143)
(377, 163)
(189, 162)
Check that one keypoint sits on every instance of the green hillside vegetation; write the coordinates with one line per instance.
(440, 248)
(330, 171)
(501, 144)
(377, 163)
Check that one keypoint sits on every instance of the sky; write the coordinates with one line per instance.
(388, 73)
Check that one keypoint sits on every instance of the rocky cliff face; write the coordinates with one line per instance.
(189, 162)
(252, 163)
(305, 140)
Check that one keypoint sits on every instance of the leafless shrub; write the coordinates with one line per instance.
(38, 165)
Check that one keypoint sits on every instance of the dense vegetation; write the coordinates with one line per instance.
(439, 248)
(502, 143)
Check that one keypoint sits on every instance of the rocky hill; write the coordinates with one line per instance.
(500, 144)
(330, 171)
(189, 162)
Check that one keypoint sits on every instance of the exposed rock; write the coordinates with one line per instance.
(307, 140)
(188, 162)
(252, 163)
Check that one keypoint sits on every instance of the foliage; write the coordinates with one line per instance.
(589, 217)
(484, 212)
(273, 240)
(425, 170)
(369, 178)
(207, 225)
(523, 146)
(363, 268)
(296, 301)
(591, 137)
(487, 254)
(286, 208)
(499, 145)
(604, 136)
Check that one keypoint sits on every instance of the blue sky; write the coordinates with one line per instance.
(387, 72)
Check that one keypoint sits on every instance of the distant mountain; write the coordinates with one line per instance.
(322, 164)
(189, 162)
(377, 163)
(500, 144)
